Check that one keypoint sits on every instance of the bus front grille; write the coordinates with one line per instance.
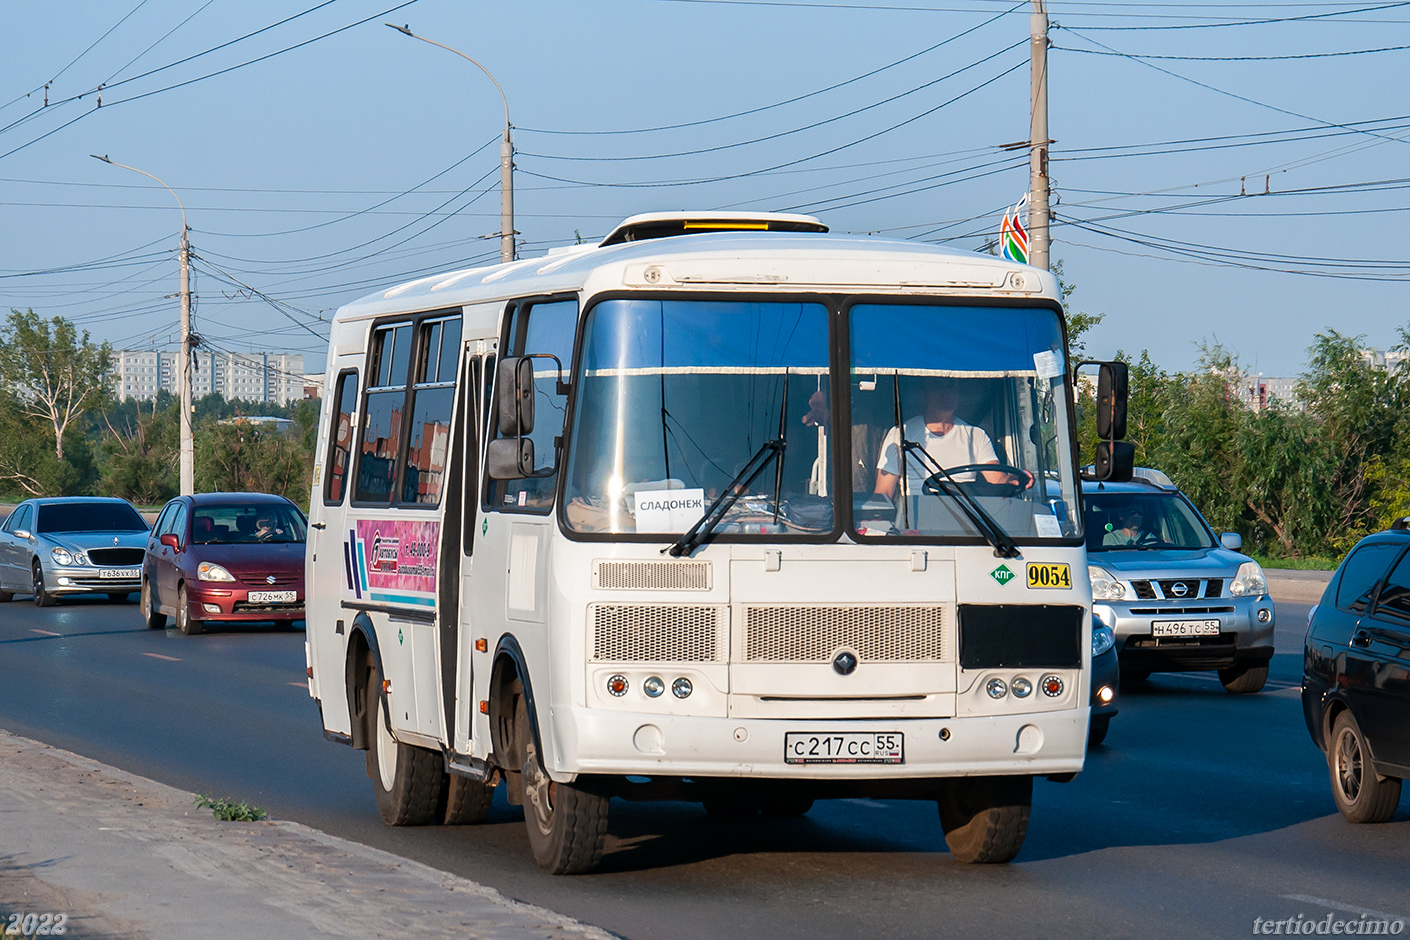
(876, 633)
(651, 575)
(666, 633)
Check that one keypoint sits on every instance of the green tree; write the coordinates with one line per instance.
(237, 456)
(56, 373)
(139, 455)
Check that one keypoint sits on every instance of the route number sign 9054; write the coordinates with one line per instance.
(1057, 576)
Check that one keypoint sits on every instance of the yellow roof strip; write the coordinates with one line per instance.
(728, 226)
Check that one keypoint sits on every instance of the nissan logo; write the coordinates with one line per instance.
(844, 663)
(1180, 589)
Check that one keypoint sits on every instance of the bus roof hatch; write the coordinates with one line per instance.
(665, 224)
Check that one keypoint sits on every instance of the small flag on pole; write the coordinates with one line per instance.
(1013, 237)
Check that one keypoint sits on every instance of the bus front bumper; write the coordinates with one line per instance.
(596, 741)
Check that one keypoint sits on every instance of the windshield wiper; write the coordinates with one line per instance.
(715, 512)
(1004, 545)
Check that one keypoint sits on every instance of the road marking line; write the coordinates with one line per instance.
(1338, 906)
(45, 632)
(170, 659)
(299, 685)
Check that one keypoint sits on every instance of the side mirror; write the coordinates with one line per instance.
(514, 395)
(508, 459)
(1115, 461)
(1233, 541)
(23, 534)
(171, 541)
(1112, 386)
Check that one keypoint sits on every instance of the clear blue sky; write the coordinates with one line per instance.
(352, 162)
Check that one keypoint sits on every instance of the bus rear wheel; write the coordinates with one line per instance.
(985, 818)
(405, 779)
(465, 801)
(567, 823)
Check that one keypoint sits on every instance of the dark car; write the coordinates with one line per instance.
(224, 557)
(64, 547)
(1356, 676)
(1106, 680)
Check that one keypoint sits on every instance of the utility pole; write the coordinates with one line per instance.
(1038, 138)
(188, 450)
(506, 153)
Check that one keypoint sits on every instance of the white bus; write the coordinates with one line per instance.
(724, 509)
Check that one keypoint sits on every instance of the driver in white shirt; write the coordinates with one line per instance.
(951, 441)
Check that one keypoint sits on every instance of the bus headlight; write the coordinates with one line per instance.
(682, 688)
(997, 688)
(653, 686)
(1021, 687)
(617, 685)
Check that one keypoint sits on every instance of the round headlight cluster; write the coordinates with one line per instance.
(1022, 686)
(653, 686)
(66, 558)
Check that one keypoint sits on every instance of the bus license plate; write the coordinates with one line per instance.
(1058, 576)
(809, 747)
(1185, 628)
(273, 597)
(118, 574)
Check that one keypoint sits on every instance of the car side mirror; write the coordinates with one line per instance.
(1233, 541)
(510, 458)
(23, 534)
(171, 541)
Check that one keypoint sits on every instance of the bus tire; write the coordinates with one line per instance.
(405, 779)
(566, 822)
(985, 818)
(466, 801)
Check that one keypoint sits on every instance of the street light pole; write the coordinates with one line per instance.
(506, 153)
(1038, 183)
(188, 450)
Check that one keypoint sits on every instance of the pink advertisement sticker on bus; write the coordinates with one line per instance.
(399, 555)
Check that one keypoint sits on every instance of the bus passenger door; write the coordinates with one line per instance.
(456, 632)
(330, 568)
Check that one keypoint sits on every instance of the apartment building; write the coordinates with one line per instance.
(277, 378)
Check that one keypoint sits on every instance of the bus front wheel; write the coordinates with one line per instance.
(985, 818)
(405, 779)
(566, 822)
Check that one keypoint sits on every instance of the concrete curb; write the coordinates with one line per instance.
(1297, 586)
(127, 857)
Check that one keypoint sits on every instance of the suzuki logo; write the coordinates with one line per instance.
(270, 580)
(844, 663)
(1180, 589)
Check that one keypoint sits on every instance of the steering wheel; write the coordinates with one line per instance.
(980, 486)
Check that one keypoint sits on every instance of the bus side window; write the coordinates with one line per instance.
(540, 328)
(340, 437)
(433, 397)
(383, 405)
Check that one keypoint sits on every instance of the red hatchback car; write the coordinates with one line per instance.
(224, 557)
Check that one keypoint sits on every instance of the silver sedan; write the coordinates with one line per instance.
(51, 548)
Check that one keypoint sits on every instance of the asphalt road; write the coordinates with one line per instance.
(1202, 812)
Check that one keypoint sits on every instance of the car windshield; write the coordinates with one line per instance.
(954, 387)
(1119, 522)
(238, 524)
(676, 397)
(88, 517)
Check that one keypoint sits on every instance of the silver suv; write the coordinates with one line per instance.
(1179, 598)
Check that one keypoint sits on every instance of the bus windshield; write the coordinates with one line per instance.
(674, 399)
(963, 388)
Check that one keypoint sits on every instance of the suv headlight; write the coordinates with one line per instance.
(1104, 586)
(208, 571)
(1249, 581)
